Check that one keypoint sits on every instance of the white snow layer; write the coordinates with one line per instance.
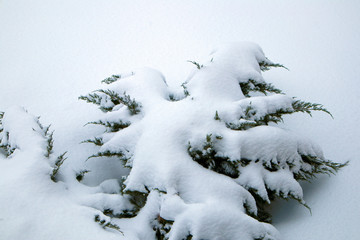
(200, 201)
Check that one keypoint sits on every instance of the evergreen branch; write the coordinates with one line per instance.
(124, 213)
(6, 146)
(111, 79)
(198, 66)
(137, 199)
(38, 123)
(262, 206)
(307, 107)
(122, 157)
(253, 86)
(91, 98)
(1, 117)
(116, 77)
(274, 117)
(98, 141)
(217, 118)
(107, 154)
(116, 99)
(186, 92)
(318, 166)
(80, 175)
(10, 150)
(242, 125)
(50, 142)
(250, 120)
(112, 126)
(106, 224)
(172, 98)
(208, 158)
(46, 130)
(59, 161)
(267, 65)
(162, 227)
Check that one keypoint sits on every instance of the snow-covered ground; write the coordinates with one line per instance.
(51, 52)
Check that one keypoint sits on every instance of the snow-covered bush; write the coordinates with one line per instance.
(205, 161)
(22, 134)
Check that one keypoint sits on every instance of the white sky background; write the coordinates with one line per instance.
(53, 51)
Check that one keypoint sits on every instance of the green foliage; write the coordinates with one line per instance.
(98, 141)
(80, 175)
(318, 166)
(48, 136)
(249, 120)
(198, 65)
(50, 142)
(126, 213)
(242, 125)
(172, 98)
(208, 158)
(253, 86)
(3, 147)
(217, 118)
(59, 161)
(186, 92)
(111, 79)
(1, 117)
(262, 206)
(116, 99)
(307, 107)
(267, 65)
(120, 155)
(108, 154)
(137, 199)
(112, 126)
(114, 78)
(8, 150)
(95, 99)
(162, 228)
(107, 224)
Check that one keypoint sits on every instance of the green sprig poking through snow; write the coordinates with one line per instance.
(80, 175)
(267, 65)
(2, 146)
(107, 224)
(116, 77)
(98, 141)
(111, 126)
(107, 153)
(207, 157)
(251, 118)
(50, 143)
(198, 65)
(58, 162)
(254, 86)
(111, 79)
(108, 99)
